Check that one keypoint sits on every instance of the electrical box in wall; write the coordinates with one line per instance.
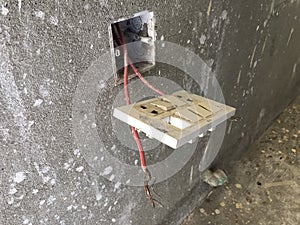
(139, 34)
(175, 119)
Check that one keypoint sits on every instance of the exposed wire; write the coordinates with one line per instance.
(143, 79)
(122, 42)
(116, 38)
(135, 133)
(147, 177)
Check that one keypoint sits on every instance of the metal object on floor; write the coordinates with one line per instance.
(216, 178)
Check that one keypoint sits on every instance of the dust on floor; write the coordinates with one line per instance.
(264, 187)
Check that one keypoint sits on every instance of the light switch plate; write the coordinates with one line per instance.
(175, 119)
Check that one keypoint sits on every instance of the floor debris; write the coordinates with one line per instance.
(264, 186)
(238, 186)
(215, 179)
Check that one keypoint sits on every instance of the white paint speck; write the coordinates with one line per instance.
(162, 38)
(54, 20)
(252, 90)
(66, 166)
(4, 10)
(45, 179)
(43, 91)
(254, 64)
(262, 112)
(202, 39)
(113, 147)
(50, 200)
(239, 77)
(214, 23)
(252, 56)
(19, 177)
(229, 128)
(98, 196)
(261, 115)
(10, 201)
(294, 67)
(20, 5)
(107, 170)
(102, 84)
(42, 202)
(40, 14)
(79, 169)
(45, 169)
(224, 15)
(12, 191)
(87, 6)
(112, 177)
(26, 221)
(52, 182)
(21, 197)
(35, 191)
(294, 70)
(191, 175)
(113, 220)
(37, 103)
(77, 152)
(290, 36)
(117, 185)
(30, 123)
(264, 45)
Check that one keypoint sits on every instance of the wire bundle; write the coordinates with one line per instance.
(120, 41)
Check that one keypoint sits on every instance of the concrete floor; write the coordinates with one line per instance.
(264, 186)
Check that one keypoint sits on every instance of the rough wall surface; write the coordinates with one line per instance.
(253, 47)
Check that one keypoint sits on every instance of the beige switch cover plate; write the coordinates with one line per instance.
(175, 119)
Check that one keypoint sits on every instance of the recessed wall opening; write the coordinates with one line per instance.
(139, 35)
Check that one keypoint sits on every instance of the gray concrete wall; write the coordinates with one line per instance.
(252, 46)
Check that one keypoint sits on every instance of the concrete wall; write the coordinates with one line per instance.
(46, 47)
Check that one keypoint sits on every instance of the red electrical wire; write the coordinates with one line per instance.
(130, 62)
(135, 133)
(116, 38)
(143, 79)
(141, 150)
